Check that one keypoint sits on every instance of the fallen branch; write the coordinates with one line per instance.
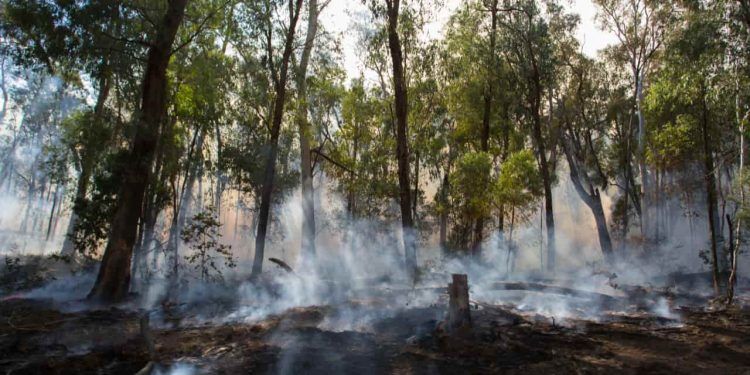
(281, 264)
(543, 288)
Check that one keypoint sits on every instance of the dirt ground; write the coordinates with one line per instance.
(42, 337)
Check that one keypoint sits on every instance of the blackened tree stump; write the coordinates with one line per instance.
(459, 315)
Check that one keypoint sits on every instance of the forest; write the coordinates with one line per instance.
(374, 186)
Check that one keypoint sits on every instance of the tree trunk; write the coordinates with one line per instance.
(220, 177)
(55, 198)
(305, 136)
(151, 209)
(593, 200)
(486, 117)
(113, 279)
(711, 204)
(87, 163)
(278, 115)
(645, 184)
(444, 214)
(401, 105)
(547, 182)
(605, 241)
(738, 234)
(4, 91)
(184, 208)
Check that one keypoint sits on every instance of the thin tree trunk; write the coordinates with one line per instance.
(4, 91)
(486, 117)
(55, 198)
(184, 208)
(113, 279)
(547, 182)
(278, 114)
(740, 177)
(151, 209)
(645, 184)
(87, 162)
(712, 209)
(444, 213)
(220, 177)
(415, 195)
(305, 135)
(401, 105)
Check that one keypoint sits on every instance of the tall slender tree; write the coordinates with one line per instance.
(113, 280)
(279, 76)
(401, 106)
(305, 133)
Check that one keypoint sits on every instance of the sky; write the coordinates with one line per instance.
(341, 17)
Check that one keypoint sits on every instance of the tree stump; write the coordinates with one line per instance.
(459, 315)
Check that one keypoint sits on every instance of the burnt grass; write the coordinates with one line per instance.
(43, 337)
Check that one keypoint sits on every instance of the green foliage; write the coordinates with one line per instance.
(470, 180)
(96, 211)
(519, 185)
(674, 143)
(202, 235)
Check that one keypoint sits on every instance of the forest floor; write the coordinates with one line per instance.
(39, 336)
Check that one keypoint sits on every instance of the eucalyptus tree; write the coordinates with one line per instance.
(113, 280)
(278, 69)
(201, 91)
(532, 59)
(362, 146)
(640, 26)
(76, 39)
(516, 191)
(738, 13)
(394, 14)
(482, 92)
(305, 130)
(583, 116)
(308, 202)
(687, 102)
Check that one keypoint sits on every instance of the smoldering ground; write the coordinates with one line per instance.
(352, 309)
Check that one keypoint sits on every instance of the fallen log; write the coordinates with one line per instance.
(553, 289)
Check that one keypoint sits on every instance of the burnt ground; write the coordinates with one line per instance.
(41, 337)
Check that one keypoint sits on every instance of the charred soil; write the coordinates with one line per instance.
(39, 336)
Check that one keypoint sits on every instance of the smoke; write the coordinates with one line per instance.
(177, 369)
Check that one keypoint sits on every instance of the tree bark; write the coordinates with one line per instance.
(401, 105)
(87, 165)
(645, 185)
(594, 202)
(55, 198)
(113, 279)
(546, 181)
(444, 213)
(151, 209)
(3, 91)
(738, 234)
(592, 198)
(486, 117)
(308, 197)
(184, 207)
(711, 203)
(278, 115)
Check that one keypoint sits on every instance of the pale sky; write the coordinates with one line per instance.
(340, 17)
